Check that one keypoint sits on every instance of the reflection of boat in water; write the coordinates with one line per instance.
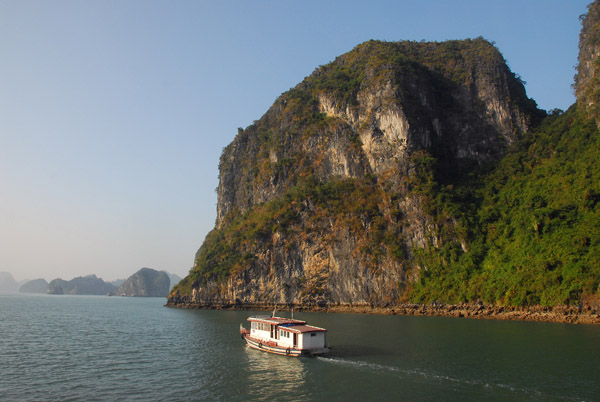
(262, 385)
(285, 336)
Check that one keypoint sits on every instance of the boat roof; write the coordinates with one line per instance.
(275, 320)
(288, 324)
(300, 329)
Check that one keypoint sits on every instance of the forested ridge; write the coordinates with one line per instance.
(533, 222)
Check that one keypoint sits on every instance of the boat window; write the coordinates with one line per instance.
(313, 334)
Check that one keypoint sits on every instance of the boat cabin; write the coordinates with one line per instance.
(293, 336)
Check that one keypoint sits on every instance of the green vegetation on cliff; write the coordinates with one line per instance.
(533, 234)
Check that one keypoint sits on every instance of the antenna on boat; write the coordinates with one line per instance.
(292, 312)
(274, 312)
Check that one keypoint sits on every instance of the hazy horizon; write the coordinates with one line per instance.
(49, 279)
(113, 114)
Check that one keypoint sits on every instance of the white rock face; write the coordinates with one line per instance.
(383, 132)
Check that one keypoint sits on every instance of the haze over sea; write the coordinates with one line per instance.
(111, 348)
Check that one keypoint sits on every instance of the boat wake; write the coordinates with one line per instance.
(445, 379)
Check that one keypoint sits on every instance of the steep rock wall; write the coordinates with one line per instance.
(328, 181)
(587, 80)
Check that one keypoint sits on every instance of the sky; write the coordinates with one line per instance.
(113, 113)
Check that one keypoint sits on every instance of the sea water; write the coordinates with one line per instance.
(86, 348)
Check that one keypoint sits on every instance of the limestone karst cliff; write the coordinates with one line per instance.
(326, 200)
(406, 173)
(370, 110)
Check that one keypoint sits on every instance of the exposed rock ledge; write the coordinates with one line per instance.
(559, 314)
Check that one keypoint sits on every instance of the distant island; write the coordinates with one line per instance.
(8, 283)
(82, 285)
(35, 286)
(146, 282)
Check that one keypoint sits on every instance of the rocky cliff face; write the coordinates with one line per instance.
(326, 200)
(369, 110)
(146, 282)
(587, 81)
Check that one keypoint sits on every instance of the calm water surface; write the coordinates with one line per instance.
(111, 348)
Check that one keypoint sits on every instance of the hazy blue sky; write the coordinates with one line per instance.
(113, 114)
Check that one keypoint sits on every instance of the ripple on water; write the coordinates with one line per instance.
(101, 348)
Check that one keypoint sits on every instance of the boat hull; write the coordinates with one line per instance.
(279, 350)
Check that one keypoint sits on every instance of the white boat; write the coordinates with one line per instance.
(285, 336)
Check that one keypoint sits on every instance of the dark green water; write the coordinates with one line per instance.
(109, 348)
